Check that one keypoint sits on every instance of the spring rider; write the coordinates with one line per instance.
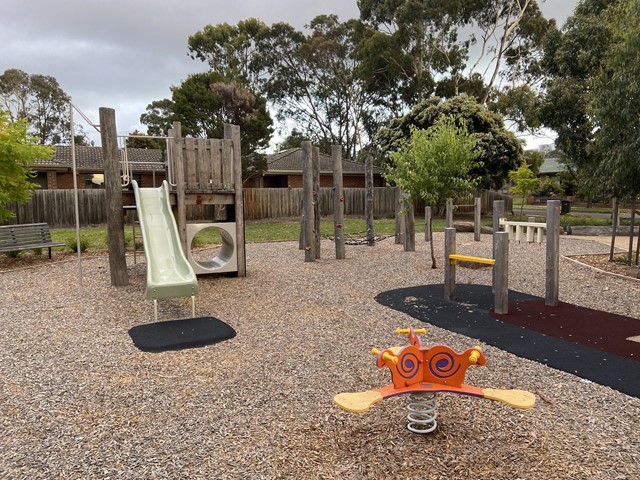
(422, 372)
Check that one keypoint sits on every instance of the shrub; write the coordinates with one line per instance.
(72, 243)
(13, 254)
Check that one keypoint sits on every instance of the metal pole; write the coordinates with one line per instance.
(75, 193)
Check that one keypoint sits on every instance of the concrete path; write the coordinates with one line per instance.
(622, 242)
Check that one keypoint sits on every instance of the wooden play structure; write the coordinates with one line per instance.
(199, 172)
(421, 372)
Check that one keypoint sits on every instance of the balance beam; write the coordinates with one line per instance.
(453, 258)
(500, 266)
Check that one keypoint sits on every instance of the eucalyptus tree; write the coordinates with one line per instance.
(312, 79)
(616, 101)
(572, 59)
(41, 101)
(420, 44)
(616, 108)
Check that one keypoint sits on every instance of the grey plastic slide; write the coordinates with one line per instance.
(168, 271)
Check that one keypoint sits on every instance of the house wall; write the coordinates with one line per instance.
(326, 181)
(64, 180)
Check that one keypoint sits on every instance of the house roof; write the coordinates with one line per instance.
(551, 165)
(290, 161)
(90, 158)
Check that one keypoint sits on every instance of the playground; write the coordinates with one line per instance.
(79, 400)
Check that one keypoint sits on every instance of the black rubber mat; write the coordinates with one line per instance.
(180, 334)
(471, 315)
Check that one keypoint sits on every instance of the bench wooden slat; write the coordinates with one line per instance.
(26, 237)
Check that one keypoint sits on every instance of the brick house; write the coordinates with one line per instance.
(146, 166)
(148, 169)
(284, 170)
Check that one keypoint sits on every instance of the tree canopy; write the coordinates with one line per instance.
(436, 163)
(501, 150)
(204, 102)
(616, 101)
(40, 100)
(18, 151)
(418, 45)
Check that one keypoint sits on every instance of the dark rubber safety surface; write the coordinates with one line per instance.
(587, 343)
(180, 334)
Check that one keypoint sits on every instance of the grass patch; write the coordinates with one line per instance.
(95, 238)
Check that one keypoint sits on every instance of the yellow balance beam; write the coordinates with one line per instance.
(466, 258)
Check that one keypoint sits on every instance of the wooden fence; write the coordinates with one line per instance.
(56, 207)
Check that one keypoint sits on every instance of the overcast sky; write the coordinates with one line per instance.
(125, 54)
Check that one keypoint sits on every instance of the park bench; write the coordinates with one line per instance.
(29, 236)
(531, 231)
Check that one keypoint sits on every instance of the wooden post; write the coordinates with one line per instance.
(449, 268)
(498, 213)
(615, 223)
(400, 217)
(315, 162)
(477, 216)
(449, 213)
(552, 281)
(338, 201)
(232, 132)
(410, 227)
(113, 188)
(428, 236)
(302, 221)
(501, 273)
(178, 173)
(307, 182)
(368, 204)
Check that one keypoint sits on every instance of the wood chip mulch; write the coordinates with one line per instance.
(79, 401)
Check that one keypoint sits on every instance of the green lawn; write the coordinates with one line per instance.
(281, 230)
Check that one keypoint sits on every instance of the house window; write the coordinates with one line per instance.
(94, 180)
(40, 179)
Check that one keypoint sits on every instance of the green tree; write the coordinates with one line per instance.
(18, 151)
(310, 79)
(416, 43)
(501, 150)
(523, 181)
(293, 140)
(534, 160)
(615, 105)
(40, 100)
(232, 51)
(204, 102)
(436, 163)
(616, 101)
(571, 61)
(138, 139)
